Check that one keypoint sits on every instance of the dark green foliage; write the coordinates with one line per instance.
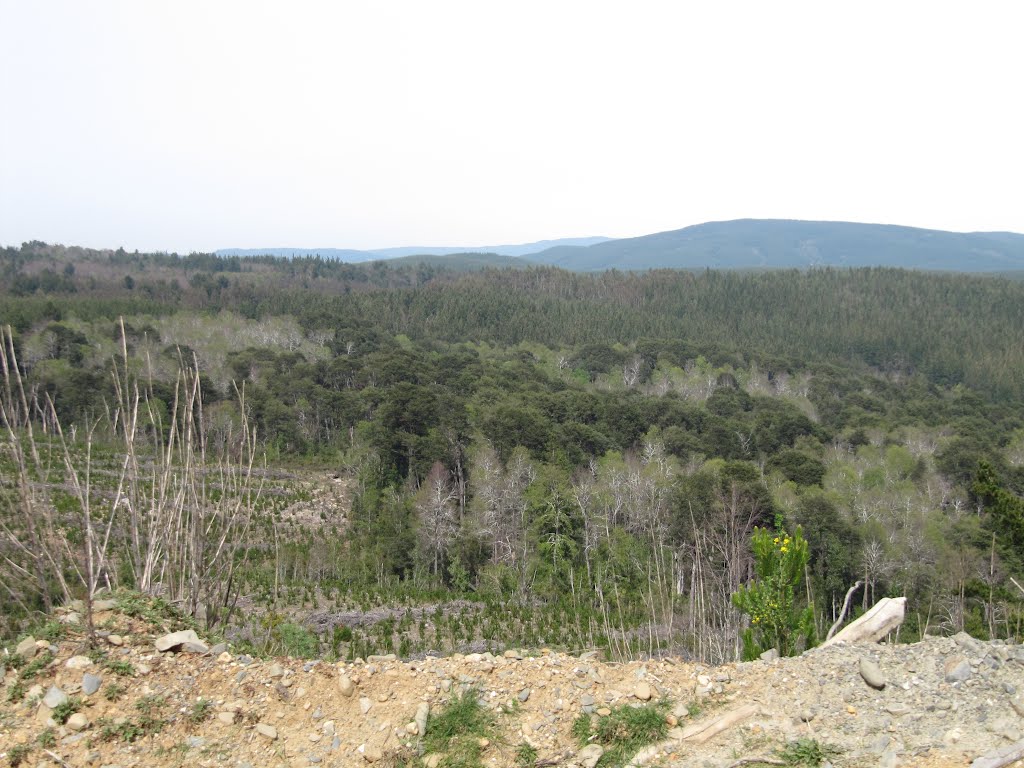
(798, 467)
(1006, 510)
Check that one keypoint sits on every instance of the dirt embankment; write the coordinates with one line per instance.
(944, 701)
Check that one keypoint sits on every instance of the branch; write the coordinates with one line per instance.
(846, 607)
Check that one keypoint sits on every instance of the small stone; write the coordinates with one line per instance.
(78, 722)
(224, 657)
(276, 670)
(382, 697)
(589, 755)
(422, 713)
(115, 640)
(345, 685)
(27, 648)
(195, 742)
(957, 669)
(872, 675)
(372, 753)
(54, 697)
(365, 705)
(226, 718)
(267, 731)
(643, 691)
(412, 728)
(770, 655)
(78, 662)
(524, 695)
(98, 606)
(91, 683)
(220, 648)
(1018, 705)
(195, 647)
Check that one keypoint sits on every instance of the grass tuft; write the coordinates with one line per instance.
(458, 730)
(623, 732)
(807, 752)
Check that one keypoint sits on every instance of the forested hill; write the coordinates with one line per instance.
(355, 256)
(950, 329)
(775, 243)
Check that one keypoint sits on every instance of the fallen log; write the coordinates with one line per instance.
(884, 617)
(698, 733)
(1000, 757)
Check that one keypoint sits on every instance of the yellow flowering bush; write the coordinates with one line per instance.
(771, 599)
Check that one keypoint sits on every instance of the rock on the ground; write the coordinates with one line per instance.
(54, 697)
(345, 685)
(957, 669)
(872, 673)
(266, 731)
(91, 683)
(176, 640)
(643, 691)
(589, 755)
(27, 648)
(422, 713)
(78, 722)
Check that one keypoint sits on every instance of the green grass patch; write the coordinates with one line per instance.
(17, 754)
(623, 732)
(34, 667)
(807, 752)
(526, 756)
(114, 692)
(16, 691)
(66, 709)
(457, 731)
(47, 738)
(200, 711)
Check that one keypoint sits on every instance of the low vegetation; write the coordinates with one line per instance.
(624, 731)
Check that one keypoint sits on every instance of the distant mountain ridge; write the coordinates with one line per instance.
(785, 243)
(737, 244)
(354, 255)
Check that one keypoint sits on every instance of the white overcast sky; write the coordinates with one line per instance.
(202, 125)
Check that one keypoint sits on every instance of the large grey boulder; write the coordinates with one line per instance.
(175, 640)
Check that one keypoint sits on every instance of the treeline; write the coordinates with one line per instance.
(948, 328)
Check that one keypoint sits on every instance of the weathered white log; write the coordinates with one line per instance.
(1000, 757)
(698, 733)
(883, 618)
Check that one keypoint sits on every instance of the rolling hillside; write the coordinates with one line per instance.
(774, 243)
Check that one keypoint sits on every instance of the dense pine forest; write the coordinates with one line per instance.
(534, 456)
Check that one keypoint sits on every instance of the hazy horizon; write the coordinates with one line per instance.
(238, 125)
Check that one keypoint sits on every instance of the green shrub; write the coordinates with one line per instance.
(776, 620)
(295, 640)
